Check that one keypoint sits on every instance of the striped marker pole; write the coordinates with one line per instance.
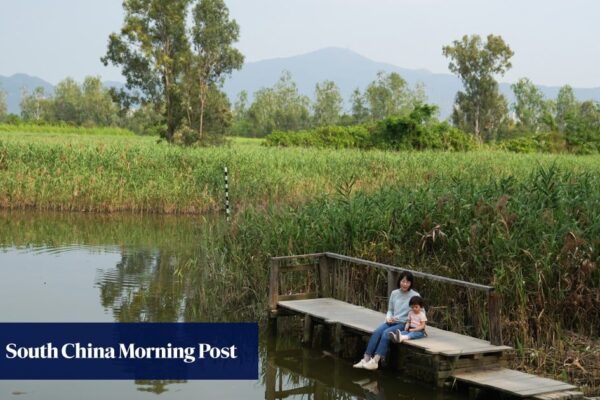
(227, 194)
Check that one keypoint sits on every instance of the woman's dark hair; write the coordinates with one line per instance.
(409, 277)
(416, 300)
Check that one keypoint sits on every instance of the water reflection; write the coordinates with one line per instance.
(157, 269)
(143, 287)
(296, 372)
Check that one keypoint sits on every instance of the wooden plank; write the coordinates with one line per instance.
(514, 382)
(364, 320)
(297, 268)
(563, 395)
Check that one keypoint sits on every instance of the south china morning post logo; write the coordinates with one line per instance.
(124, 351)
(129, 351)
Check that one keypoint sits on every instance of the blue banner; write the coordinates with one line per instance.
(129, 351)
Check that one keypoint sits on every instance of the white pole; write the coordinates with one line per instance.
(227, 211)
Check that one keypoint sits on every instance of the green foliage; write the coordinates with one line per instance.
(281, 107)
(536, 143)
(88, 104)
(360, 110)
(328, 104)
(582, 128)
(388, 95)
(43, 130)
(35, 106)
(327, 136)
(153, 51)
(530, 107)
(3, 106)
(566, 107)
(480, 109)
(416, 131)
(420, 131)
(213, 58)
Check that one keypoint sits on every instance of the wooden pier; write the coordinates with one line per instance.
(442, 357)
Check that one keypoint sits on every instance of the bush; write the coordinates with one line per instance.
(419, 131)
(539, 143)
(329, 136)
(416, 131)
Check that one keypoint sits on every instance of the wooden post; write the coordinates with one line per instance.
(308, 330)
(273, 288)
(324, 277)
(494, 308)
(338, 336)
(392, 281)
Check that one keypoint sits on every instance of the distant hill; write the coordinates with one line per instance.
(347, 68)
(351, 70)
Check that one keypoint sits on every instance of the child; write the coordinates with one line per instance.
(415, 324)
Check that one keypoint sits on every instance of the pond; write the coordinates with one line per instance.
(97, 268)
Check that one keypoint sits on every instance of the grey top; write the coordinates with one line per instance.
(398, 307)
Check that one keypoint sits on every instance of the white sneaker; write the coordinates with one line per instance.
(371, 365)
(395, 336)
(403, 338)
(360, 364)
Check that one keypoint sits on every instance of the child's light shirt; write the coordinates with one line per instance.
(416, 319)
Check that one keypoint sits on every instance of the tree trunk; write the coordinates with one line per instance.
(201, 128)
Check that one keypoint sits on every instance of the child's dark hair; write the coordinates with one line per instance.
(416, 300)
(409, 277)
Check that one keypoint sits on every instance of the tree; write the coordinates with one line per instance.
(582, 130)
(281, 107)
(388, 95)
(360, 111)
(480, 109)
(419, 95)
(530, 107)
(97, 104)
(566, 107)
(241, 124)
(67, 105)
(153, 51)
(328, 104)
(34, 105)
(3, 106)
(213, 34)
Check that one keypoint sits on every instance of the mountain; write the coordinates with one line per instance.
(347, 68)
(351, 70)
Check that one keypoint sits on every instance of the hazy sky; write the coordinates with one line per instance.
(555, 41)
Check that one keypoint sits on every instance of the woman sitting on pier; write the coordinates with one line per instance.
(395, 319)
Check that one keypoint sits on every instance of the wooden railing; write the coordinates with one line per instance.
(321, 266)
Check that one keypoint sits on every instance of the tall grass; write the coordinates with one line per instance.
(64, 129)
(108, 173)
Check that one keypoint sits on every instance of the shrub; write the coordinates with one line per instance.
(420, 131)
(539, 143)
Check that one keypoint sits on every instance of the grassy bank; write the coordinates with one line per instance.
(528, 224)
(111, 173)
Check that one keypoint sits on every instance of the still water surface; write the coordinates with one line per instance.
(82, 268)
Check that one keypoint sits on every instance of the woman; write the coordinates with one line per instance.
(395, 319)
